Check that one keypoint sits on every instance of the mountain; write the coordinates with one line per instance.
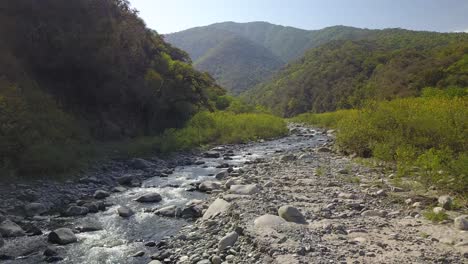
(238, 63)
(283, 43)
(346, 73)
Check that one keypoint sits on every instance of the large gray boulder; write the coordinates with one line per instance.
(209, 186)
(291, 214)
(227, 241)
(33, 209)
(76, 210)
(10, 229)
(125, 211)
(268, 221)
(461, 222)
(244, 189)
(219, 206)
(149, 198)
(62, 236)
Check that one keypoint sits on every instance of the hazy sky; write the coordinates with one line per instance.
(168, 16)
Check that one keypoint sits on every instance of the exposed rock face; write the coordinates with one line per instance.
(219, 206)
(10, 229)
(62, 236)
(291, 214)
(149, 198)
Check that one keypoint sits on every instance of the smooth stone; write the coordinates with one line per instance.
(216, 260)
(62, 236)
(125, 211)
(34, 209)
(268, 221)
(168, 211)
(291, 214)
(227, 241)
(222, 175)
(461, 222)
(11, 229)
(219, 206)
(445, 202)
(438, 210)
(149, 198)
(76, 210)
(244, 189)
(208, 186)
(90, 226)
(100, 194)
(119, 189)
(373, 213)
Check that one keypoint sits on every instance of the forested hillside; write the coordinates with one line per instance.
(239, 63)
(387, 64)
(75, 71)
(274, 43)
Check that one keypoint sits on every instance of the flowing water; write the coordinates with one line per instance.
(121, 238)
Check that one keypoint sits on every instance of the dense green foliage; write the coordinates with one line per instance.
(429, 133)
(76, 71)
(238, 63)
(241, 55)
(387, 64)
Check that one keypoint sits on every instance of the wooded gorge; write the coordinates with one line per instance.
(75, 71)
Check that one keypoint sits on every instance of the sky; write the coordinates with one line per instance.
(167, 16)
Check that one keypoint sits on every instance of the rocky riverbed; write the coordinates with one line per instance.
(291, 200)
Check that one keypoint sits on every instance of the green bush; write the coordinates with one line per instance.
(427, 137)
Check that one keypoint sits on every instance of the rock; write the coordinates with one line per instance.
(149, 198)
(191, 211)
(461, 222)
(10, 229)
(438, 210)
(100, 194)
(50, 251)
(211, 154)
(1, 242)
(216, 260)
(125, 180)
(288, 158)
(244, 189)
(268, 221)
(343, 171)
(208, 186)
(199, 162)
(230, 182)
(62, 236)
(227, 241)
(323, 149)
(291, 214)
(76, 210)
(380, 193)
(92, 207)
(28, 196)
(416, 205)
(150, 244)
(306, 157)
(125, 211)
(168, 211)
(217, 207)
(119, 189)
(222, 175)
(33, 209)
(140, 164)
(372, 213)
(445, 202)
(138, 254)
(155, 262)
(350, 196)
(53, 259)
(90, 226)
